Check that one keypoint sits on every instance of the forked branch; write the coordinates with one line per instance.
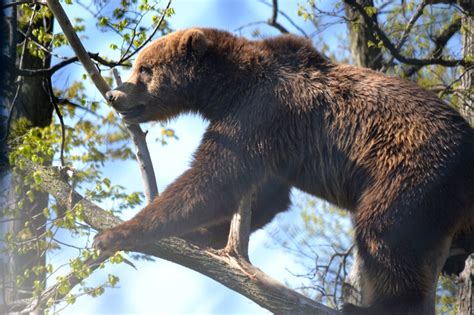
(138, 136)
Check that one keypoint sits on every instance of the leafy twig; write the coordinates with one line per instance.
(157, 27)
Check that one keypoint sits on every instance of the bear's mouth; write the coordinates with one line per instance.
(132, 113)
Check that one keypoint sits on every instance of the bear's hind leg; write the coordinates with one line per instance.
(401, 262)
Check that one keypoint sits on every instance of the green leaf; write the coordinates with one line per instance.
(371, 11)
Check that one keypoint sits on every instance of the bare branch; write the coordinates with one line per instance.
(408, 28)
(66, 62)
(411, 23)
(116, 76)
(287, 17)
(144, 161)
(13, 4)
(12, 108)
(273, 20)
(52, 100)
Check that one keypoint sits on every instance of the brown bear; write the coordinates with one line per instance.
(280, 116)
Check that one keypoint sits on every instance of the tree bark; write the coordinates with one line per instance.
(466, 288)
(466, 278)
(467, 80)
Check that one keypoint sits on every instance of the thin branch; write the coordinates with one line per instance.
(287, 17)
(27, 36)
(408, 28)
(66, 62)
(13, 39)
(411, 23)
(46, 72)
(396, 53)
(13, 4)
(138, 136)
(116, 76)
(10, 113)
(134, 32)
(273, 20)
(52, 100)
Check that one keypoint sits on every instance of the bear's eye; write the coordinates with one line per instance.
(144, 70)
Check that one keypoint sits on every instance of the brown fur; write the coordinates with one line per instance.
(282, 116)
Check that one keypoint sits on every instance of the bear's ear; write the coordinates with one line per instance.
(193, 42)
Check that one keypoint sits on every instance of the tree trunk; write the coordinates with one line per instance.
(466, 278)
(33, 105)
(363, 44)
(466, 288)
(467, 106)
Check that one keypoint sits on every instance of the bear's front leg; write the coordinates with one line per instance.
(208, 193)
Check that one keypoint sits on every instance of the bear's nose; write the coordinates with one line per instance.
(109, 96)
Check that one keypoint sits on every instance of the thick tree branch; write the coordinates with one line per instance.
(138, 136)
(232, 271)
(396, 53)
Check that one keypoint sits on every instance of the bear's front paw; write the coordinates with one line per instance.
(111, 240)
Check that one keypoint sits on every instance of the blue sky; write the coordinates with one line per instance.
(162, 287)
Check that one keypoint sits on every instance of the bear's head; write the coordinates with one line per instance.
(166, 78)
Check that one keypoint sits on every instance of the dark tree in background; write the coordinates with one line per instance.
(28, 105)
